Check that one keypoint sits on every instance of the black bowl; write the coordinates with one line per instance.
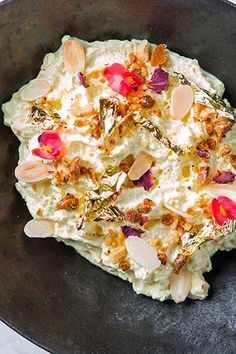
(49, 293)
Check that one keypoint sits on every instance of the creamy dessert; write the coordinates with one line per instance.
(128, 155)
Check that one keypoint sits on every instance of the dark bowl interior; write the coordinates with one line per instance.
(49, 293)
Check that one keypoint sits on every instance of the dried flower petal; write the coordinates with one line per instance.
(203, 154)
(144, 220)
(51, 146)
(121, 80)
(147, 180)
(131, 231)
(141, 252)
(223, 177)
(159, 80)
(82, 79)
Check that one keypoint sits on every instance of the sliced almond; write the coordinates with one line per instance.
(227, 190)
(73, 55)
(178, 211)
(181, 101)
(39, 228)
(141, 252)
(32, 171)
(142, 51)
(141, 165)
(180, 285)
(35, 89)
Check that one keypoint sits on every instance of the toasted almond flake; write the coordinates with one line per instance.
(178, 211)
(141, 252)
(181, 101)
(142, 51)
(180, 285)
(73, 55)
(39, 228)
(227, 190)
(36, 89)
(141, 165)
(32, 171)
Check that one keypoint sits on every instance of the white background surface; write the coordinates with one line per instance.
(11, 342)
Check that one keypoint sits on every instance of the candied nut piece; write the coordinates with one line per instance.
(146, 206)
(179, 262)
(74, 170)
(126, 163)
(136, 215)
(225, 150)
(221, 126)
(147, 101)
(90, 171)
(124, 265)
(167, 219)
(233, 160)
(97, 129)
(133, 216)
(162, 257)
(159, 55)
(116, 255)
(203, 174)
(68, 202)
(211, 143)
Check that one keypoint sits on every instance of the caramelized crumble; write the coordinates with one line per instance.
(225, 150)
(159, 55)
(68, 202)
(167, 219)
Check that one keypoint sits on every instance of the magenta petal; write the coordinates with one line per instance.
(44, 154)
(51, 139)
(121, 80)
(82, 79)
(229, 206)
(223, 177)
(131, 231)
(147, 180)
(219, 218)
(158, 80)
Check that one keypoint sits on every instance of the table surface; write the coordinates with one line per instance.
(13, 343)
